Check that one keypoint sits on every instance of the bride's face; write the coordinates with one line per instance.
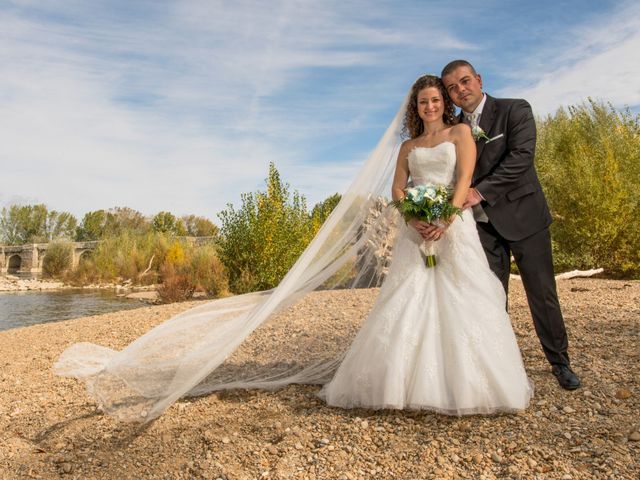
(430, 104)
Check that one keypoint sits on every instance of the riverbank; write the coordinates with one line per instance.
(11, 283)
(50, 429)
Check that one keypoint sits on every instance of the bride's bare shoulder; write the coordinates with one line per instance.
(408, 143)
(459, 132)
(407, 146)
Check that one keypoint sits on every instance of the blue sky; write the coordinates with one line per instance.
(180, 105)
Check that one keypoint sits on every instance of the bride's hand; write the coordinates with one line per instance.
(423, 228)
(438, 229)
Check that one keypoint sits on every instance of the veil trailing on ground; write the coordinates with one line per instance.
(295, 333)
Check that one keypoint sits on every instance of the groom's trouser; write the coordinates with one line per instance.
(534, 260)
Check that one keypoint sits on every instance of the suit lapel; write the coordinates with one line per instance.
(486, 122)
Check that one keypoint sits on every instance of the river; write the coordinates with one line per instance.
(21, 309)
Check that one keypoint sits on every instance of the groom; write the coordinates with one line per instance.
(510, 208)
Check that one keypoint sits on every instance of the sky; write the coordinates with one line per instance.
(180, 105)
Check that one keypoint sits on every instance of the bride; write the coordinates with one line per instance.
(435, 338)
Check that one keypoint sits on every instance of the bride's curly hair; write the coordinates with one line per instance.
(413, 126)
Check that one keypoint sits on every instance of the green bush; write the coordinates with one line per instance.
(588, 158)
(208, 272)
(58, 258)
(261, 241)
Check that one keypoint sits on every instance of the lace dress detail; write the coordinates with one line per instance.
(436, 338)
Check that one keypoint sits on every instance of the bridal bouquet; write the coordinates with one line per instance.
(429, 203)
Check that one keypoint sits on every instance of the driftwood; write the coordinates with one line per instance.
(148, 268)
(572, 274)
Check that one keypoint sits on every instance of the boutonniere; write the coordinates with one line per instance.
(478, 134)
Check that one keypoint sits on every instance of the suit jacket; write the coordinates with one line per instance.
(505, 174)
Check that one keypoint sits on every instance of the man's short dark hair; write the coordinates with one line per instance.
(451, 66)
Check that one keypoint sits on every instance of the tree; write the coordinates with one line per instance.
(121, 219)
(166, 222)
(199, 226)
(21, 224)
(261, 241)
(323, 209)
(92, 227)
(60, 225)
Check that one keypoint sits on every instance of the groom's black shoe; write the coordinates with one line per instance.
(566, 378)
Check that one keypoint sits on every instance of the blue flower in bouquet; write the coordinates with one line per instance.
(415, 194)
(431, 192)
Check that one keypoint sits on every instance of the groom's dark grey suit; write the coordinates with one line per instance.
(518, 216)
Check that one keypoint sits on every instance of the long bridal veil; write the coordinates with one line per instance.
(295, 333)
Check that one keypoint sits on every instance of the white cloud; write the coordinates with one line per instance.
(597, 60)
(180, 106)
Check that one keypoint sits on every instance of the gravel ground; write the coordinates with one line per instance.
(50, 429)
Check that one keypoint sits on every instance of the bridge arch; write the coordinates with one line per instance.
(14, 264)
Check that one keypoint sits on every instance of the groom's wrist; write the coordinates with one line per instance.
(479, 194)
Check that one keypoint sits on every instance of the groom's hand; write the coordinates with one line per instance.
(473, 198)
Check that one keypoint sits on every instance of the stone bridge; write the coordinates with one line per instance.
(26, 260)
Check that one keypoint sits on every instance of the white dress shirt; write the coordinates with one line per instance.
(473, 119)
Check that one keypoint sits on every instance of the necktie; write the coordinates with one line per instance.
(473, 119)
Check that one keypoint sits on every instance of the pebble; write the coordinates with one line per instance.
(623, 394)
(568, 410)
(226, 440)
(406, 450)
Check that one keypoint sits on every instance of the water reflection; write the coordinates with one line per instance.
(31, 308)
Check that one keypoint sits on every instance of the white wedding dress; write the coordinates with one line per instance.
(437, 338)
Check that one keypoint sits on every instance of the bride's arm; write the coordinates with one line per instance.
(401, 176)
(465, 162)
(400, 179)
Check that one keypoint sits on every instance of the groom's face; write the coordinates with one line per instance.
(464, 88)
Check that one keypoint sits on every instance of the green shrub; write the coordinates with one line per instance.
(208, 272)
(261, 241)
(58, 258)
(588, 158)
